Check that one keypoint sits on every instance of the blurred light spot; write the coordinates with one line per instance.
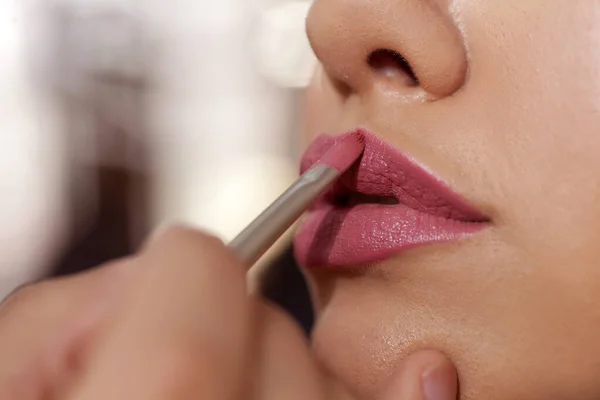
(241, 191)
(282, 48)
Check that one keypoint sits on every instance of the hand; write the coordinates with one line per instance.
(173, 322)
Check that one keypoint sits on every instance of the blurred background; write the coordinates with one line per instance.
(121, 115)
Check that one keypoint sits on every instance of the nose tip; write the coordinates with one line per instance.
(409, 47)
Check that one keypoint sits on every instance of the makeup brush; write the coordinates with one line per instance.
(264, 231)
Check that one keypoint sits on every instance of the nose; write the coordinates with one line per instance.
(410, 47)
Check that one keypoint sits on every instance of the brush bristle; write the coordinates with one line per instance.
(344, 153)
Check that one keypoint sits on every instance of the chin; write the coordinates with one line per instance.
(506, 341)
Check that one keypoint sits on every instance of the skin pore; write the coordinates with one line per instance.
(501, 99)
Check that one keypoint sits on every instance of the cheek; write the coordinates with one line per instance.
(539, 146)
(323, 108)
(512, 335)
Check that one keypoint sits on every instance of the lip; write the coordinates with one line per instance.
(342, 235)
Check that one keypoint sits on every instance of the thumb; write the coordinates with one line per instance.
(424, 375)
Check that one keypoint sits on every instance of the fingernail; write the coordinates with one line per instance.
(440, 382)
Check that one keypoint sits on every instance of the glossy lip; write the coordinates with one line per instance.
(428, 211)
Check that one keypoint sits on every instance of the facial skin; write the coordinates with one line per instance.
(506, 111)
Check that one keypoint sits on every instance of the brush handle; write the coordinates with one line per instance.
(264, 231)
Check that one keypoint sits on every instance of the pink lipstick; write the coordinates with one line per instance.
(385, 204)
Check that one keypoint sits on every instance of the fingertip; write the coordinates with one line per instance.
(176, 231)
(424, 375)
(175, 251)
(187, 239)
(440, 382)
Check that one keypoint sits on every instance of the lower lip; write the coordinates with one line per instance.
(335, 236)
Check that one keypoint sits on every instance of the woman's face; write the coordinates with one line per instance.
(504, 106)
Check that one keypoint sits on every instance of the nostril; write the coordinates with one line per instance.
(391, 64)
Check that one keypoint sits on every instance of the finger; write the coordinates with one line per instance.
(43, 326)
(425, 375)
(182, 333)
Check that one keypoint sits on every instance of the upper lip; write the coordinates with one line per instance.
(385, 172)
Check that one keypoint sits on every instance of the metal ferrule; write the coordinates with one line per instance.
(264, 231)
